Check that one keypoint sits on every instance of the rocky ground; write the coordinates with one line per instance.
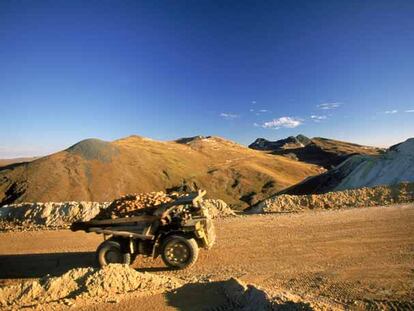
(81, 287)
(342, 259)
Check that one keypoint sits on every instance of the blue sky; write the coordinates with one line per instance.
(70, 70)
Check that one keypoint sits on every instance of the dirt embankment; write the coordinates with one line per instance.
(362, 197)
(49, 215)
(101, 285)
(60, 215)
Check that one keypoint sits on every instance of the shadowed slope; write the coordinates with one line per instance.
(320, 151)
(390, 168)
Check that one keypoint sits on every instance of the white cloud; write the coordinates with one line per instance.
(251, 110)
(229, 116)
(317, 118)
(410, 110)
(263, 110)
(256, 124)
(287, 122)
(328, 106)
(253, 102)
(391, 111)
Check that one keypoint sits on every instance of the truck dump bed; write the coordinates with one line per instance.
(134, 227)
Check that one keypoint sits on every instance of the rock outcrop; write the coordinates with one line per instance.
(291, 142)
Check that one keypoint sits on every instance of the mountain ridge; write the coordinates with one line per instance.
(97, 170)
(321, 151)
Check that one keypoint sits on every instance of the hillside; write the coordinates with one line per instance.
(4, 162)
(320, 151)
(394, 166)
(96, 170)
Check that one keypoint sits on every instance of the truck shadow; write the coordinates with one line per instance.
(22, 266)
(39, 265)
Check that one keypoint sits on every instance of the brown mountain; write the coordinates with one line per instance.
(97, 170)
(320, 151)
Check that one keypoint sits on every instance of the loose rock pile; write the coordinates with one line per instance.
(362, 197)
(218, 208)
(84, 283)
(135, 204)
(52, 215)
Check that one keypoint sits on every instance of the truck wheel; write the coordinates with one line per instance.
(179, 252)
(111, 252)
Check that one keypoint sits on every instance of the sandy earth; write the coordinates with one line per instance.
(352, 258)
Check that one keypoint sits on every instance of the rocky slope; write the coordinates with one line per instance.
(394, 166)
(96, 170)
(321, 151)
(290, 142)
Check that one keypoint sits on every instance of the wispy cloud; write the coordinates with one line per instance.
(259, 112)
(228, 116)
(286, 122)
(410, 110)
(391, 111)
(328, 106)
(253, 102)
(317, 118)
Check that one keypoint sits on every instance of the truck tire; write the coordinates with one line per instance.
(179, 252)
(110, 251)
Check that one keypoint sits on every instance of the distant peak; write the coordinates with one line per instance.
(291, 141)
(303, 139)
(406, 147)
(94, 149)
(186, 140)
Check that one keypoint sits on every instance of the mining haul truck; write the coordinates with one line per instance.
(175, 230)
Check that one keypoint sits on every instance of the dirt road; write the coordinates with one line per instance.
(341, 256)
